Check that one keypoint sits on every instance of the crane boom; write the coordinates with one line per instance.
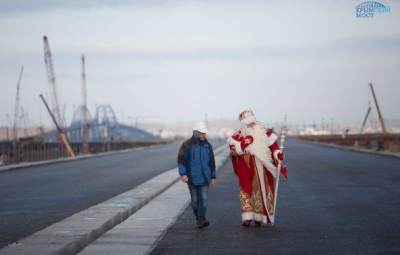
(365, 120)
(9, 120)
(16, 110)
(379, 111)
(52, 81)
(64, 139)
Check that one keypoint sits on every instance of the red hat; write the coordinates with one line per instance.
(247, 117)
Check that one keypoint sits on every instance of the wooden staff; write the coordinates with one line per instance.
(279, 166)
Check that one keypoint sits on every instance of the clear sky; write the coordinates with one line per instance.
(176, 61)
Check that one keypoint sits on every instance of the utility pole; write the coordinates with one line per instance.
(7, 133)
(379, 112)
(11, 125)
(16, 110)
(85, 131)
(63, 114)
(16, 118)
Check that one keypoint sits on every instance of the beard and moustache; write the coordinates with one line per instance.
(259, 148)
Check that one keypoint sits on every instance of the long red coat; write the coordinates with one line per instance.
(256, 184)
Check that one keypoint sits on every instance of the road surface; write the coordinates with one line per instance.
(334, 202)
(34, 198)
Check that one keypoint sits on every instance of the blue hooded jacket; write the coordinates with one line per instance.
(196, 161)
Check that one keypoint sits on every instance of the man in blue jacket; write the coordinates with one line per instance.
(197, 168)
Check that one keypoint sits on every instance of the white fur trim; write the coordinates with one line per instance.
(260, 165)
(271, 139)
(248, 120)
(238, 148)
(254, 216)
(276, 154)
(260, 171)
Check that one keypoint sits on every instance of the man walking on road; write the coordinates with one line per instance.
(196, 166)
(254, 156)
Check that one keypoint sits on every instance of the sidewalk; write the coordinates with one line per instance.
(141, 231)
(225, 235)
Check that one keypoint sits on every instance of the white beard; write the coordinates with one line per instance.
(259, 148)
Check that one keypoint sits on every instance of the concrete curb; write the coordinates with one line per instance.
(141, 232)
(60, 160)
(182, 209)
(387, 154)
(71, 235)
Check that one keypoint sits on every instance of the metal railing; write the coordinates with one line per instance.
(23, 152)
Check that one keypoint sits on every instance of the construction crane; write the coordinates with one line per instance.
(64, 139)
(16, 110)
(365, 119)
(30, 124)
(9, 120)
(379, 112)
(52, 82)
(85, 127)
(23, 120)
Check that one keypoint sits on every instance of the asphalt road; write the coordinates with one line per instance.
(334, 202)
(33, 198)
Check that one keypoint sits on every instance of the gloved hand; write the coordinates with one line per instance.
(281, 156)
(232, 150)
(246, 142)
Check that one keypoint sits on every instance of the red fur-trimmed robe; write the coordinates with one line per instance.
(256, 183)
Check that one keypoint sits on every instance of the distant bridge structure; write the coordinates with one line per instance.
(103, 127)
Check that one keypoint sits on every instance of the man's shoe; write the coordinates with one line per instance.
(257, 224)
(246, 223)
(203, 224)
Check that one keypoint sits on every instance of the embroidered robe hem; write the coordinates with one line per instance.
(256, 188)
